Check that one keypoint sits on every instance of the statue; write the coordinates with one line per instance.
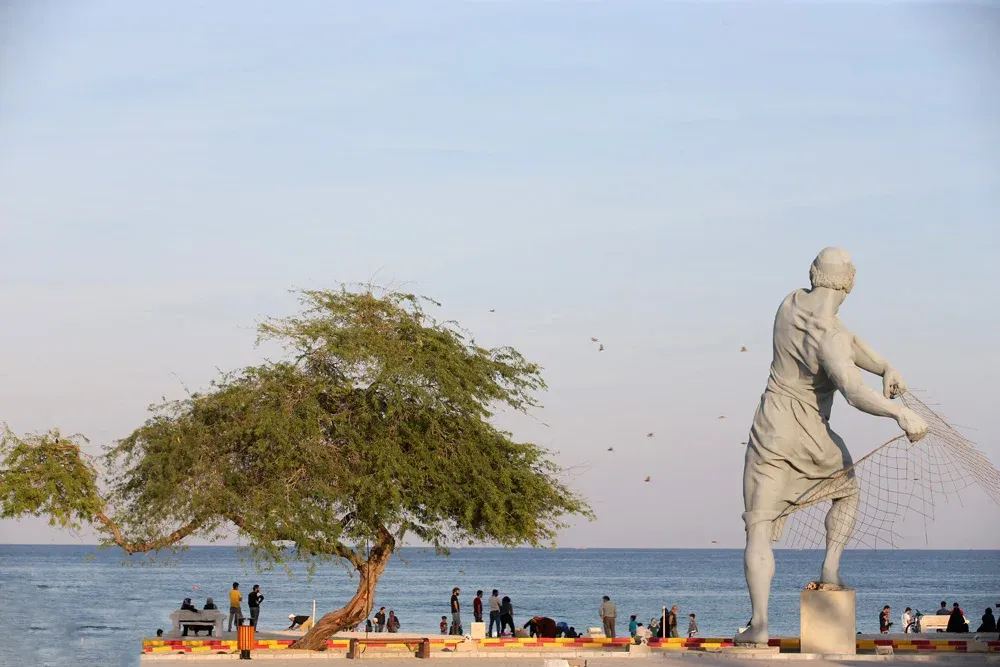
(791, 447)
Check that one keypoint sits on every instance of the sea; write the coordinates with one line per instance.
(84, 605)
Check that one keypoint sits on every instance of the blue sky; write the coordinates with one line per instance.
(658, 175)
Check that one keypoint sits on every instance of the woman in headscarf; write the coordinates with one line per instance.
(956, 622)
(506, 615)
(989, 622)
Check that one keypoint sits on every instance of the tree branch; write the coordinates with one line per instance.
(150, 545)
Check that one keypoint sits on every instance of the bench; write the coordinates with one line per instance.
(183, 618)
(423, 644)
(934, 623)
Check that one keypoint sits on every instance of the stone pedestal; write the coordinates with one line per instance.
(638, 650)
(827, 622)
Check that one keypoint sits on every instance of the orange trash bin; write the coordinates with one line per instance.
(245, 639)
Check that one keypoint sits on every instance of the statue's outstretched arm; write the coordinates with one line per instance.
(868, 359)
(836, 355)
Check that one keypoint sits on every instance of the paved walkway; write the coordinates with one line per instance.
(685, 660)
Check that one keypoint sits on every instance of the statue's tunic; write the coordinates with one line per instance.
(791, 446)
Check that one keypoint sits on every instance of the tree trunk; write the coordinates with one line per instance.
(359, 606)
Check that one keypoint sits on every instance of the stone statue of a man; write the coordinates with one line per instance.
(791, 447)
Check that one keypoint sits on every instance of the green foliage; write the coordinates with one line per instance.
(46, 474)
(379, 420)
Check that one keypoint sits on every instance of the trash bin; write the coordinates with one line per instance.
(244, 638)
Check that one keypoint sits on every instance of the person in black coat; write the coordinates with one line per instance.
(989, 622)
(956, 622)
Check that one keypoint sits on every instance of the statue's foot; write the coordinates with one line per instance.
(755, 634)
(831, 577)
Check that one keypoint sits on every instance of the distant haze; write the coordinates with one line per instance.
(656, 175)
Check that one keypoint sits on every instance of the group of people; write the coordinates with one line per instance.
(956, 619)
(501, 613)
(235, 608)
(501, 618)
(381, 622)
(639, 632)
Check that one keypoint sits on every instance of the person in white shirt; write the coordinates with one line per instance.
(907, 619)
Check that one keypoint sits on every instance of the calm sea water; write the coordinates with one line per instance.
(62, 605)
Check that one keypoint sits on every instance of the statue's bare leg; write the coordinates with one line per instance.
(758, 564)
(839, 526)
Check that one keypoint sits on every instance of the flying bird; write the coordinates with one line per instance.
(743, 348)
(461, 571)
(715, 541)
(722, 416)
(593, 340)
(743, 442)
(649, 435)
(649, 479)
(601, 348)
(611, 449)
(493, 310)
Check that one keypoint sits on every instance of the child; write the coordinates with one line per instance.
(444, 625)
(692, 626)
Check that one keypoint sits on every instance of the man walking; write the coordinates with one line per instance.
(608, 612)
(456, 612)
(235, 611)
(494, 612)
(672, 621)
(380, 620)
(477, 607)
(253, 601)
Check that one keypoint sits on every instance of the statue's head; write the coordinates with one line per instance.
(832, 269)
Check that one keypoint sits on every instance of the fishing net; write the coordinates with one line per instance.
(897, 481)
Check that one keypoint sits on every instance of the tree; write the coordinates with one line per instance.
(375, 426)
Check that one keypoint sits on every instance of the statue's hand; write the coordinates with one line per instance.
(892, 383)
(912, 424)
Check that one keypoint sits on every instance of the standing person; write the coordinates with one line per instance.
(477, 607)
(692, 626)
(907, 619)
(392, 623)
(632, 626)
(235, 611)
(380, 620)
(883, 621)
(943, 611)
(253, 601)
(608, 611)
(494, 613)
(672, 622)
(506, 615)
(456, 612)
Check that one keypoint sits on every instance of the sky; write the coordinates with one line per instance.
(657, 175)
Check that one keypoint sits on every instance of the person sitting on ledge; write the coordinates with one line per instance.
(210, 605)
(943, 611)
(956, 623)
(989, 622)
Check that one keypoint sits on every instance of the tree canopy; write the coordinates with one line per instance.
(377, 424)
